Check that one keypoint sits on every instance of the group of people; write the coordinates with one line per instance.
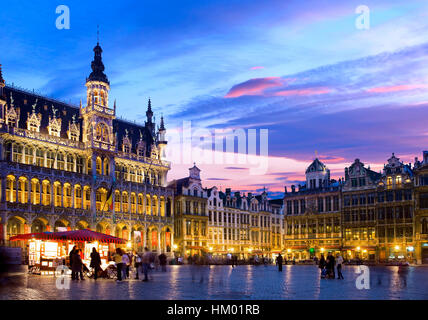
(144, 262)
(123, 261)
(329, 264)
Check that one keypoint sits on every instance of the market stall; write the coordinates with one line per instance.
(48, 250)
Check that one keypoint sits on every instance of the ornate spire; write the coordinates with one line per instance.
(149, 112)
(97, 66)
(162, 125)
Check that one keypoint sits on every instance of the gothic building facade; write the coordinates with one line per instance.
(68, 167)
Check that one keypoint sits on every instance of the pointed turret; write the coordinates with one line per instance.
(149, 112)
(97, 67)
(162, 125)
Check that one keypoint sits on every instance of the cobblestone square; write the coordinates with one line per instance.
(223, 282)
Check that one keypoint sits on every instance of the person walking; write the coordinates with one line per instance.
(125, 265)
(137, 264)
(77, 265)
(322, 265)
(279, 261)
(146, 263)
(162, 261)
(119, 264)
(95, 262)
(339, 262)
(71, 261)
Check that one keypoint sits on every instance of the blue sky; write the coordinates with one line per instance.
(298, 68)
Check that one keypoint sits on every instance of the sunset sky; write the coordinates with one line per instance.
(300, 69)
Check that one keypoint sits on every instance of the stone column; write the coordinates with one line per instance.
(17, 190)
(29, 191)
(62, 195)
(3, 189)
(72, 196)
(121, 202)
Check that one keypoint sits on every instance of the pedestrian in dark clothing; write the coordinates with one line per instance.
(77, 265)
(162, 261)
(330, 266)
(279, 261)
(95, 262)
(71, 261)
(322, 265)
(146, 263)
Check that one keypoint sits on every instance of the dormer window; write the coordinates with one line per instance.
(126, 148)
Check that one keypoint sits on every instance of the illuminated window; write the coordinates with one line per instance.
(57, 194)
(106, 167)
(389, 181)
(28, 155)
(17, 153)
(50, 158)
(87, 200)
(102, 133)
(70, 162)
(35, 191)
(40, 159)
(46, 193)
(117, 201)
(140, 203)
(10, 189)
(98, 163)
(125, 205)
(398, 180)
(133, 203)
(60, 163)
(78, 196)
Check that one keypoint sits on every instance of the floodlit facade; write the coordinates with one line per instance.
(67, 167)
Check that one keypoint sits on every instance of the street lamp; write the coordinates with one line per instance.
(358, 248)
(397, 247)
(175, 247)
(288, 250)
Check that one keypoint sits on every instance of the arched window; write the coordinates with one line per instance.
(57, 194)
(46, 192)
(140, 203)
(117, 201)
(87, 198)
(106, 166)
(78, 196)
(133, 203)
(10, 189)
(23, 190)
(67, 195)
(35, 191)
(125, 205)
(99, 164)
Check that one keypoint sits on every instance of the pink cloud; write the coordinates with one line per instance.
(256, 68)
(403, 87)
(302, 92)
(254, 87)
